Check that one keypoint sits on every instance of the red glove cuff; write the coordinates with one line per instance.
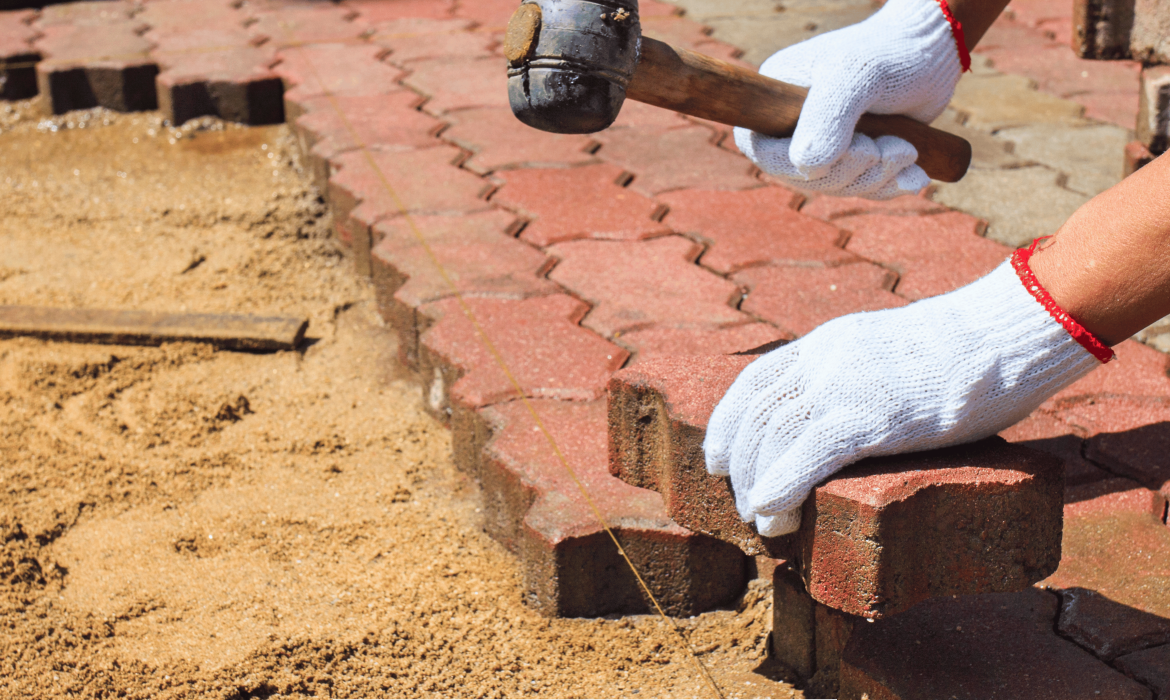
(1079, 333)
(957, 31)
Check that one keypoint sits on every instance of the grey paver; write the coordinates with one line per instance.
(1091, 156)
(1019, 205)
(988, 152)
(995, 102)
(762, 35)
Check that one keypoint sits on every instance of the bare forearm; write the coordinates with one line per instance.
(976, 17)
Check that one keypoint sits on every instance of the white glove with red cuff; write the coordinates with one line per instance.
(943, 371)
(904, 59)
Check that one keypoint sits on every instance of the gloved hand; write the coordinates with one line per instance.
(942, 371)
(902, 60)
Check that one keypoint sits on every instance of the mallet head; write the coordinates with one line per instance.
(570, 61)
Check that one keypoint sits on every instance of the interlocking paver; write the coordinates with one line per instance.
(233, 84)
(654, 343)
(1008, 200)
(1087, 155)
(867, 530)
(177, 17)
(379, 11)
(1153, 99)
(570, 566)
(1115, 544)
(20, 80)
(499, 141)
(676, 159)
(331, 126)
(643, 284)
(998, 101)
(86, 67)
(683, 33)
(298, 25)
(334, 69)
(548, 355)
(1150, 666)
(1047, 433)
(997, 645)
(988, 152)
(798, 299)
(564, 204)
(933, 254)
(459, 83)
(417, 39)
(86, 14)
(491, 14)
(830, 208)
(477, 256)
(754, 227)
(640, 114)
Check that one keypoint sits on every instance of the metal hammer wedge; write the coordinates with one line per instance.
(573, 63)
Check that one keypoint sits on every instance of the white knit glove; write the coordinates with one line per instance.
(942, 371)
(902, 60)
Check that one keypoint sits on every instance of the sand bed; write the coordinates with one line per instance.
(180, 522)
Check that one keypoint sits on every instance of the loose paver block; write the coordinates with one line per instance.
(331, 126)
(564, 204)
(87, 66)
(676, 159)
(334, 69)
(1047, 433)
(571, 567)
(300, 25)
(976, 648)
(381, 11)
(1150, 666)
(470, 255)
(754, 227)
(798, 299)
(830, 208)
(546, 352)
(373, 185)
(657, 342)
(1114, 568)
(410, 40)
(1153, 122)
(18, 76)
(986, 515)
(459, 83)
(645, 284)
(500, 141)
(932, 254)
(237, 84)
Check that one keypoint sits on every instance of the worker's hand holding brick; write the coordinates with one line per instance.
(943, 371)
(902, 60)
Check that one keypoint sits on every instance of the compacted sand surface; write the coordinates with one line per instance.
(181, 522)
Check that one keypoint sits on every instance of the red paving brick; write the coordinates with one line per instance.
(423, 181)
(297, 25)
(1036, 12)
(1116, 544)
(492, 14)
(387, 122)
(644, 284)
(655, 343)
(177, 17)
(991, 646)
(1140, 453)
(829, 208)
(335, 69)
(933, 254)
(85, 14)
(417, 39)
(547, 353)
(1150, 666)
(571, 567)
(378, 11)
(754, 227)
(867, 530)
(798, 299)
(676, 159)
(477, 256)
(683, 33)
(1138, 371)
(20, 81)
(84, 67)
(640, 114)
(499, 141)
(1047, 433)
(234, 84)
(564, 204)
(460, 83)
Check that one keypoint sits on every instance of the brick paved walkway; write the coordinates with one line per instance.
(571, 257)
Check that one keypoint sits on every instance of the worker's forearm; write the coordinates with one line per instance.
(1109, 265)
(976, 17)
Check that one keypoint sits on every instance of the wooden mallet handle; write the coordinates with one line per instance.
(701, 86)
